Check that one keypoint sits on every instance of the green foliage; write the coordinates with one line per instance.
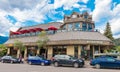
(3, 50)
(117, 42)
(108, 32)
(118, 48)
(42, 39)
(19, 44)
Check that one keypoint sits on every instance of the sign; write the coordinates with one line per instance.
(95, 42)
(10, 45)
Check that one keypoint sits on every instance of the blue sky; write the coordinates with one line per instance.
(20, 13)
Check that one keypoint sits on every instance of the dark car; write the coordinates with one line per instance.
(38, 60)
(67, 60)
(9, 59)
(105, 62)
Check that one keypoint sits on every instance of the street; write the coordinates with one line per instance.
(6, 67)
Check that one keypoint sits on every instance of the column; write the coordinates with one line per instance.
(79, 51)
(99, 49)
(18, 53)
(38, 51)
(8, 51)
(50, 52)
(25, 53)
(93, 51)
(70, 50)
(81, 25)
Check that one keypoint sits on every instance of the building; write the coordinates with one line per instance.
(76, 36)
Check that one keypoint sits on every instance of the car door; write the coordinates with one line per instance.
(68, 61)
(7, 59)
(109, 62)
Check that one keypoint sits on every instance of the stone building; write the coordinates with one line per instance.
(76, 36)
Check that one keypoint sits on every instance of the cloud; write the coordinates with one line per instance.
(106, 10)
(37, 11)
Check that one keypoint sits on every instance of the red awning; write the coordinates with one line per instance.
(52, 28)
(24, 31)
(32, 30)
(38, 29)
(16, 33)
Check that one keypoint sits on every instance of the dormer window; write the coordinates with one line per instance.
(74, 16)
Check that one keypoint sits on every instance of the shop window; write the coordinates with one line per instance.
(96, 49)
(59, 50)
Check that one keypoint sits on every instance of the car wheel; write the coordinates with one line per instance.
(11, 62)
(30, 63)
(76, 65)
(56, 64)
(42, 63)
(97, 66)
(2, 61)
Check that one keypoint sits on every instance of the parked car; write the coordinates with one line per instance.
(106, 62)
(67, 60)
(10, 59)
(38, 60)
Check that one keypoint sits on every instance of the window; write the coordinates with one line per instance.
(50, 32)
(74, 16)
(59, 50)
(77, 26)
(64, 27)
(84, 26)
(85, 16)
(89, 27)
(70, 26)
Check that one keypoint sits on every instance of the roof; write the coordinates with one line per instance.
(43, 26)
(63, 36)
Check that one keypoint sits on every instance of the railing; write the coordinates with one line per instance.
(51, 32)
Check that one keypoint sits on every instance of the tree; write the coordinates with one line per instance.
(42, 41)
(3, 50)
(118, 48)
(108, 32)
(19, 45)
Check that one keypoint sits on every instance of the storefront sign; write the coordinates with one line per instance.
(95, 42)
(10, 45)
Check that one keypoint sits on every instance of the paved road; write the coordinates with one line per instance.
(5, 67)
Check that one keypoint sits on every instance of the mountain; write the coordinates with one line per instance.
(3, 39)
(117, 41)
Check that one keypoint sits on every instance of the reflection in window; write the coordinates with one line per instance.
(84, 26)
(70, 26)
(77, 26)
(59, 50)
(89, 27)
(64, 27)
(85, 16)
(50, 32)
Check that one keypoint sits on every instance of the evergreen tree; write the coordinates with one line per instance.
(108, 32)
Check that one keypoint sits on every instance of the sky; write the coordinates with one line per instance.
(20, 13)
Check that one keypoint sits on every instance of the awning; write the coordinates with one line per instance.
(52, 28)
(38, 29)
(24, 31)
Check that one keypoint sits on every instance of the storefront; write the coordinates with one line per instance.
(76, 36)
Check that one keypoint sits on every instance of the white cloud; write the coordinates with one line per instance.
(105, 11)
(35, 10)
(102, 10)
